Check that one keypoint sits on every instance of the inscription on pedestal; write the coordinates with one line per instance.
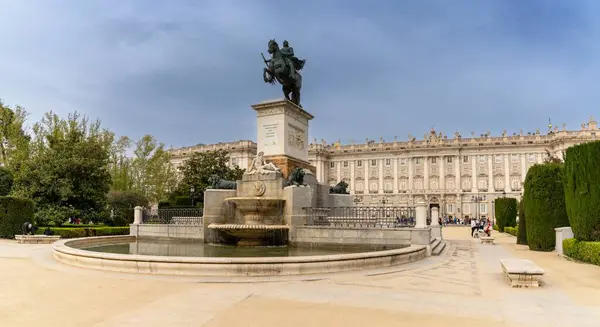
(270, 134)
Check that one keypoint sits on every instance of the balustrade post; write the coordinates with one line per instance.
(435, 216)
(137, 215)
(421, 213)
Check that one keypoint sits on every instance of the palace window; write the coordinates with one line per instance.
(388, 186)
(345, 164)
(418, 184)
(374, 162)
(531, 157)
(332, 164)
(359, 163)
(450, 184)
(483, 208)
(514, 157)
(373, 187)
(234, 162)
(482, 158)
(359, 186)
(450, 208)
(403, 185)
(418, 161)
(498, 158)
(388, 162)
(433, 160)
(482, 183)
(466, 208)
(498, 183)
(466, 184)
(515, 183)
(465, 159)
(403, 161)
(449, 159)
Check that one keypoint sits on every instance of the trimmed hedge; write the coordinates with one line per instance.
(583, 251)
(522, 228)
(506, 212)
(14, 212)
(582, 190)
(512, 230)
(544, 205)
(66, 232)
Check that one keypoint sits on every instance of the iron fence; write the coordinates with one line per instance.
(173, 216)
(363, 216)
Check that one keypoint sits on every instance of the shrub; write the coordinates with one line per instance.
(164, 204)
(495, 227)
(583, 251)
(522, 234)
(70, 232)
(582, 190)
(511, 230)
(544, 205)
(55, 215)
(183, 201)
(506, 212)
(14, 212)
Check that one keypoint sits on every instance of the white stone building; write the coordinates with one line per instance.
(462, 176)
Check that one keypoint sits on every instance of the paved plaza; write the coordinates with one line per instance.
(462, 287)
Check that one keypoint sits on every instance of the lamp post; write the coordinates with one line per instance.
(477, 199)
(192, 191)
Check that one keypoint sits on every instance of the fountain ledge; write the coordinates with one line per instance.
(227, 267)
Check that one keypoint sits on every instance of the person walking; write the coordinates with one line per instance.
(473, 226)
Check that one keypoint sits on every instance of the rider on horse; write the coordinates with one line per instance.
(287, 53)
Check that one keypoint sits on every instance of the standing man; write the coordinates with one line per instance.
(473, 226)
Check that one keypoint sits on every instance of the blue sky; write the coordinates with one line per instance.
(187, 71)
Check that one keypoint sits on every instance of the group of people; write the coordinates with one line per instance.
(483, 225)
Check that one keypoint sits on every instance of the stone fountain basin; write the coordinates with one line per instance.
(64, 251)
(248, 232)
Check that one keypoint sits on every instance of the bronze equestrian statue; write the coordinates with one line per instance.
(284, 68)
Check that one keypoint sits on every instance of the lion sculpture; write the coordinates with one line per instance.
(218, 183)
(339, 188)
(296, 178)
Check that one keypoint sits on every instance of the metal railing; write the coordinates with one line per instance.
(174, 216)
(362, 216)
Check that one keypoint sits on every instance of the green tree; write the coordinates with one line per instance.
(6, 181)
(67, 171)
(196, 171)
(14, 140)
(506, 212)
(582, 190)
(544, 205)
(120, 165)
(122, 203)
(151, 169)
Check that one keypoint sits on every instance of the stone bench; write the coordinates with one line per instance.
(486, 239)
(37, 239)
(521, 272)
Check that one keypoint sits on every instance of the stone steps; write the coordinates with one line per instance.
(437, 246)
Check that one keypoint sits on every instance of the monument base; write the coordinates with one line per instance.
(288, 164)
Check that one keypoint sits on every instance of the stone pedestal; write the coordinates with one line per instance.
(421, 214)
(562, 233)
(282, 135)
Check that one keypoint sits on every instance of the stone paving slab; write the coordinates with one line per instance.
(439, 291)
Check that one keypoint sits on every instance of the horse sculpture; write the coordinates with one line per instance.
(278, 69)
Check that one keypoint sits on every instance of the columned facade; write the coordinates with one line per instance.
(442, 171)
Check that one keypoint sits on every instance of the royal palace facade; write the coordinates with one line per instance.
(460, 175)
